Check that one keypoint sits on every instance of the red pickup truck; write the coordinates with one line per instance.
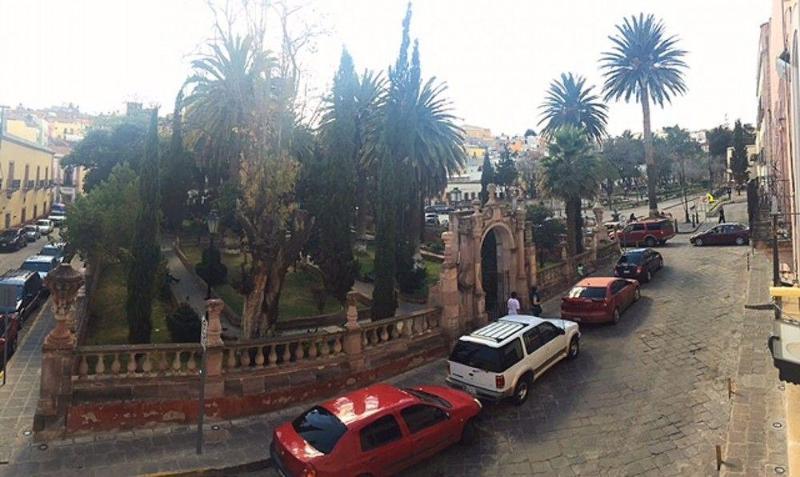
(650, 232)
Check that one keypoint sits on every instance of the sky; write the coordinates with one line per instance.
(496, 56)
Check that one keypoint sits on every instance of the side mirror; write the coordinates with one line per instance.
(562, 331)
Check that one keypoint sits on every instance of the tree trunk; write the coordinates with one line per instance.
(572, 213)
(270, 303)
(683, 190)
(649, 155)
(252, 309)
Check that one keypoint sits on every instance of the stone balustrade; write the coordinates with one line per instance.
(408, 327)
(274, 352)
(136, 361)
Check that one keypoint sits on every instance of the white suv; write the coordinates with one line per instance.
(503, 358)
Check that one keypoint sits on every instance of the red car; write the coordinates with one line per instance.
(13, 328)
(599, 299)
(723, 234)
(646, 232)
(376, 431)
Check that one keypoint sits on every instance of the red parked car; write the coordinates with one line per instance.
(376, 431)
(723, 234)
(599, 299)
(646, 232)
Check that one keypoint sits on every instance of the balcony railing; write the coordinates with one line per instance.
(29, 185)
(14, 185)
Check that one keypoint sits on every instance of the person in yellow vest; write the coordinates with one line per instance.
(710, 198)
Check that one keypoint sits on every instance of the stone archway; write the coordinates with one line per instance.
(499, 227)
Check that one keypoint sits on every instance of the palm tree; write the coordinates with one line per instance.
(571, 172)
(570, 101)
(646, 65)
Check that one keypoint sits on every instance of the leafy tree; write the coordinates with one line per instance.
(178, 166)
(487, 177)
(644, 64)
(571, 172)
(624, 153)
(330, 182)
(528, 168)
(547, 231)
(104, 148)
(739, 162)
(145, 252)
(506, 173)
(100, 225)
(211, 269)
(681, 148)
(184, 324)
(570, 102)
(719, 139)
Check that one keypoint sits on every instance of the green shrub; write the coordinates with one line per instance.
(184, 324)
(211, 269)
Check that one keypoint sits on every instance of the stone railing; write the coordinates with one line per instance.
(405, 327)
(136, 361)
(552, 275)
(270, 353)
(607, 251)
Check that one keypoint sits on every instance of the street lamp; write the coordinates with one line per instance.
(213, 225)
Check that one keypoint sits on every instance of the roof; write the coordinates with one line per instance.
(15, 277)
(634, 250)
(595, 282)
(22, 142)
(40, 258)
(365, 402)
(503, 330)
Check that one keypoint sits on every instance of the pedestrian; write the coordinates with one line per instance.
(632, 218)
(513, 304)
(581, 270)
(536, 301)
(721, 214)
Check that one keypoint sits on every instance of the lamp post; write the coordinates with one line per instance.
(213, 224)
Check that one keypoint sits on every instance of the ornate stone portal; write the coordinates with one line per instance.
(494, 235)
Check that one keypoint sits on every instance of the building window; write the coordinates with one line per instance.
(10, 172)
(27, 173)
(35, 211)
(23, 215)
(8, 220)
(46, 174)
(38, 171)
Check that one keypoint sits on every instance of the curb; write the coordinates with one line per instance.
(695, 229)
(217, 471)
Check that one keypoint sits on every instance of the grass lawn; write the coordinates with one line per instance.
(107, 323)
(297, 298)
(366, 263)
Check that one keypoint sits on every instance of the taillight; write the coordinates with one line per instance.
(638, 269)
(500, 381)
(309, 472)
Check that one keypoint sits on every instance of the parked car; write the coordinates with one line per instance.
(723, 234)
(59, 207)
(432, 218)
(599, 299)
(376, 431)
(639, 263)
(12, 240)
(502, 359)
(57, 218)
(45, 226)
(647, 232)
(32, 233)
(42, 264)
(54, 249)
(10, 337)
(21, 291)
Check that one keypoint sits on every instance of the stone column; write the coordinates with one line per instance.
(58, 356)
(448, 281)
(215, 384)
(352, 344)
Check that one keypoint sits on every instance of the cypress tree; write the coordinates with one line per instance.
(333, 174)
(739, 159)
(145, 253)
(487, 177)
(180, 170)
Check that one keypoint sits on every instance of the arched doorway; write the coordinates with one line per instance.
(495, 271)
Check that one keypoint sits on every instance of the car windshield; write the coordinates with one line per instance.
(428, 397)
(9, 234)
(43, 222)
(587, 292)
(632, 258)
(50, 251)
(321, 429)
(480, 356)
(30, 228)
(37, 266)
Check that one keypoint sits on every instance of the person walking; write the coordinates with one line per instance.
(513, 304)
(536, 301)
(721, 214)
(632, 218)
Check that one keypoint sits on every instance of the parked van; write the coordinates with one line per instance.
(42, 264)
(21, 291)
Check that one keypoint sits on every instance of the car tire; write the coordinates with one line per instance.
(698, 242)
(740, 241)
(522, 390)
(469, 434)
(574, 348)
(615, 316)
(650, 242)
(637, 294)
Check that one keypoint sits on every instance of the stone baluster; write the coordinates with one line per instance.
(353, 343)
(58, 352)
(215, 383)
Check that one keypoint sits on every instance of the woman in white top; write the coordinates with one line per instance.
(513, 304)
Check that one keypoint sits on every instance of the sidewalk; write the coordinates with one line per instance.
(756, 439)
(21, 393)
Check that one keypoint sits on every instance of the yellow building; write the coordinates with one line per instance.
(30, 131)
(26, 186)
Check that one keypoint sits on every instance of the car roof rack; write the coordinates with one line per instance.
(499, 330)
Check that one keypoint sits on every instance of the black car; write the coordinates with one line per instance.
(639, 264)
(12, 239)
